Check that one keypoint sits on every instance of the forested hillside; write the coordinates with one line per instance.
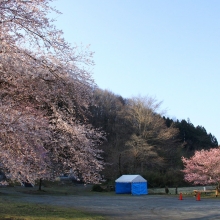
(140, 140)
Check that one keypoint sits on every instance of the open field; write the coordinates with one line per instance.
(10, 210)
(63, 201)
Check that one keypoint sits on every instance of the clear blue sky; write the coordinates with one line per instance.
(167, 49)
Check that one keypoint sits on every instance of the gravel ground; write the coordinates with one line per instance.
(130, 207)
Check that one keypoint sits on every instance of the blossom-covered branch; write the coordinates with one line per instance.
(45, 91)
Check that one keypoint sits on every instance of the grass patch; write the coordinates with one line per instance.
(10, 210)
(52, 190)
(61, 190)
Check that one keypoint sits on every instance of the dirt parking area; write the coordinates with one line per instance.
(130, 207)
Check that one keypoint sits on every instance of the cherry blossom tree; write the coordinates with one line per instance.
(203, 168)
(45, 92)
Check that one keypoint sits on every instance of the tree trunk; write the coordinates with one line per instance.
(142, 167)
(40, 185)
(119, 164)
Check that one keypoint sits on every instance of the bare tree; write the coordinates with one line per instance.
(151, 134)
(109, 112)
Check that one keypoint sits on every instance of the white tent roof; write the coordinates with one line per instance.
(130, 178)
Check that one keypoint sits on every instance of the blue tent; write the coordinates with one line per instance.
(134, 184)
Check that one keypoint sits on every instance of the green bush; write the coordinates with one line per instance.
(170, 178)
(97, 188)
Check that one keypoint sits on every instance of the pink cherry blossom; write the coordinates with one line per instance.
(203, 168)
(45, 91)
